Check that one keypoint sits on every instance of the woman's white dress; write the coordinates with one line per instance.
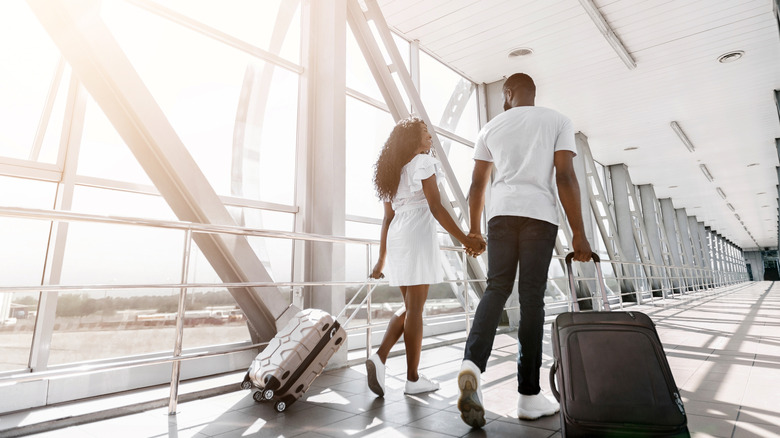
(413, 255)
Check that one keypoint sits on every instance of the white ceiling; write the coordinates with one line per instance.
(727, 110)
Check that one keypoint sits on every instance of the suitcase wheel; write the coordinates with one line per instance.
(246, 384)
(258, 396)
(268, 394)
(284, 403)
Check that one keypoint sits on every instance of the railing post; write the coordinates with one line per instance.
(466, 292)
(176, 364)
(368, 305)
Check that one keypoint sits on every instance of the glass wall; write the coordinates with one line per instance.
(449, 108)
(237, 116)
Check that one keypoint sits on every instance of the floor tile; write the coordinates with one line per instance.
(727, 387)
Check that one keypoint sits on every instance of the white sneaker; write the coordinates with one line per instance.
(470, 400)
(531, 407)
(376, 375)
(423, 384)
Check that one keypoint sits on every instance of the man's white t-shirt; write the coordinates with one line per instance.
(521, 143)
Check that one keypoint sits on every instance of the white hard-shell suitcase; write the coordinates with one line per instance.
(298, 353)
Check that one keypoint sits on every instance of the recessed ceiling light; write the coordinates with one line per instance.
(752, 164)
(761, 193)
(672, 187)
(631, 148)
(730, 56)
(520, 51)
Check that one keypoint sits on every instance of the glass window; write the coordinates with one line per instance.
(461, 159)
(50, 146)
(449, 99)
(17, 323)
(98, 253)
(264, 24)
(359, 76)
(107, 202)
(357, 262)
(104, 324)
(30, 61)
(217, 99)
(103, 153)
(276, 254)
(367, 130)
(22, 258)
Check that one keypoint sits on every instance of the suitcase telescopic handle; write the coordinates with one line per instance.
(599, 281)
(371, 284)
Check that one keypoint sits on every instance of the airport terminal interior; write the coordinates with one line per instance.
(180, 178)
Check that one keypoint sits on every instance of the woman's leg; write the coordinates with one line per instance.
(413, 328)
(395, 328)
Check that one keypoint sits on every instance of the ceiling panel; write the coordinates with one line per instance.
(727, 110)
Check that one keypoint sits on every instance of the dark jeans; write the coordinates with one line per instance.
(528, 244)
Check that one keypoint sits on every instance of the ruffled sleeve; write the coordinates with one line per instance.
(421, 167)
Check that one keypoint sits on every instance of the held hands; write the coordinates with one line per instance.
(475, 244)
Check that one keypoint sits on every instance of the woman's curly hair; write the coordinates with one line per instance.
(399, 149)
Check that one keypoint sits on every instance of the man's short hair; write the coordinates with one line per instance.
(520, 81)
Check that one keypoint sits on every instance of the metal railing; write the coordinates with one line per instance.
(683, 280)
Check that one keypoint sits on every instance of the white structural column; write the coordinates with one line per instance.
(756, 262)
(713, 240)
(599, 206)
(326, 158)
(728, 255)
(650, 214)
(696, 246)
(724, 265)
(706, 256)
(733, 265)
(625, 229)
(672, 237)
(99, 62)
(586, 270)
(687, 246)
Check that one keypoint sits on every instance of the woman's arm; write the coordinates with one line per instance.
(380, 264)
(432, 195)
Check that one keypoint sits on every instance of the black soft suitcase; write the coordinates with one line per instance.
(613, 379)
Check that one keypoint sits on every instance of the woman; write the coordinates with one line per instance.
(405, 179)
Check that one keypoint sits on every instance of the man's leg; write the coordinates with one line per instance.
(502, 267)
(536, 243)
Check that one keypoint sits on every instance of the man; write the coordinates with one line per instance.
(527, 148)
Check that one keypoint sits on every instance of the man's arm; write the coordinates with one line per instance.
(569, 192)
(479, 181)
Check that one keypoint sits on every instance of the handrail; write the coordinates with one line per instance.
(703, 278)
(82, 369)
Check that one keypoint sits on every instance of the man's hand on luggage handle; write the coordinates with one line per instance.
(582, 251)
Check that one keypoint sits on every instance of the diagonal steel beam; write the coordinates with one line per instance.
(89, 47)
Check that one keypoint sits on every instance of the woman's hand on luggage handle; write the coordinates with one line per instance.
(376, 273)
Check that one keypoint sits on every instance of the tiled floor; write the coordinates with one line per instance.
(723, 347)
